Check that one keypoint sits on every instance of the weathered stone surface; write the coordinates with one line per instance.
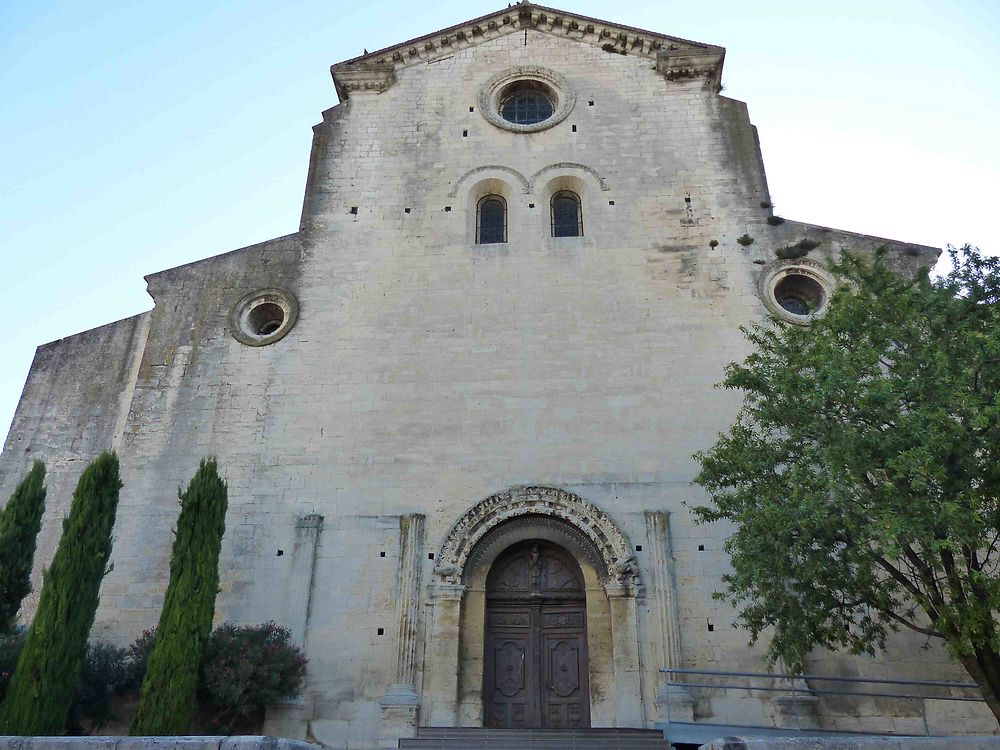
(426, 374)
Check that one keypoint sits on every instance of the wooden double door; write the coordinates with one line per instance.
(535, 672)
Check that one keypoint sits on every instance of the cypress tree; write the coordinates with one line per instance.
(20, 521)
(169, 689)
(41, 690)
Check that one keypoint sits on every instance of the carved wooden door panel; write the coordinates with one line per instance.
(565, 697)
(535, 670)
(511, 670)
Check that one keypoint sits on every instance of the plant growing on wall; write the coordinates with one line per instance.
(48, 669)
(863, 470)
(20, 521)
(169, 689)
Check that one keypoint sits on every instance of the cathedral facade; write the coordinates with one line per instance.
(457, 409)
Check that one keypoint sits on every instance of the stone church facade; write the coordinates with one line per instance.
(456, 410)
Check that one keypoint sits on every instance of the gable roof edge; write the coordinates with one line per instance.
(675, 57)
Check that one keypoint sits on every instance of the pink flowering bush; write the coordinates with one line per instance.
(248, 667)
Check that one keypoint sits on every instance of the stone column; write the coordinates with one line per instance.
(441, 653)
(288, 718)
(625, 655)
(400, 704)
(673, 700)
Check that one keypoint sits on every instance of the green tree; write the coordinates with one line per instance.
(863, 471)
(48, 669)
(20, 521)
(170, 686)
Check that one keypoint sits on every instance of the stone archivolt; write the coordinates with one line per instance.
(581, 524)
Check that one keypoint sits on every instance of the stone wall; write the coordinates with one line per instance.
(426, 372)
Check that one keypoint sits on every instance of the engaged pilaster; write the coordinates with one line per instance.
(288, 718)
(400, 704)
(673, 700)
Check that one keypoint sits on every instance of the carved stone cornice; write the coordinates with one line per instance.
(365, 77)
(676, 64)
(706, 59)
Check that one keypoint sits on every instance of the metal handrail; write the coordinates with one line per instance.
(811, 691)
(937, 683)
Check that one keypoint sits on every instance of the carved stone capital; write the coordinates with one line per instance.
(683, 64)
(618, 590)
(446, 592)
(362, 77)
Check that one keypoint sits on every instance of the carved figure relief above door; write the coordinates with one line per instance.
(535, 662)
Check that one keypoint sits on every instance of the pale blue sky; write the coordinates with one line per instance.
(138, 136)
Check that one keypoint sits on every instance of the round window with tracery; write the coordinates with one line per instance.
(526, 103)
(526, 99)
(797, 292)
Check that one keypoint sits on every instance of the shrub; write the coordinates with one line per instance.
(138, 657)
(104, 676)
(745, 239)
(800, 249)
(775, 221)
(247, 667)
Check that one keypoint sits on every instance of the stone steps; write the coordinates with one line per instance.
(474, 738)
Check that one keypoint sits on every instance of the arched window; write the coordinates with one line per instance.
(567, 216)
(491, 220)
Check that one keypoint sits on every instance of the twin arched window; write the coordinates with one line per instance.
(491, 217)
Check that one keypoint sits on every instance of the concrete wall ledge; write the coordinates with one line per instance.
(249, 742)
(990, 742)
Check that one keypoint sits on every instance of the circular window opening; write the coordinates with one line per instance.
(526, 99)
(527, 103)
(266, 318)
(263, 317)
(799, 295)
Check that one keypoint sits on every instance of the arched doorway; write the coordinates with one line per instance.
(535, 661)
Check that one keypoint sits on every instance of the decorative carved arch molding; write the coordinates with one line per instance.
(490, 170)
(563, 517)
(528, 184)
(566, 167)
